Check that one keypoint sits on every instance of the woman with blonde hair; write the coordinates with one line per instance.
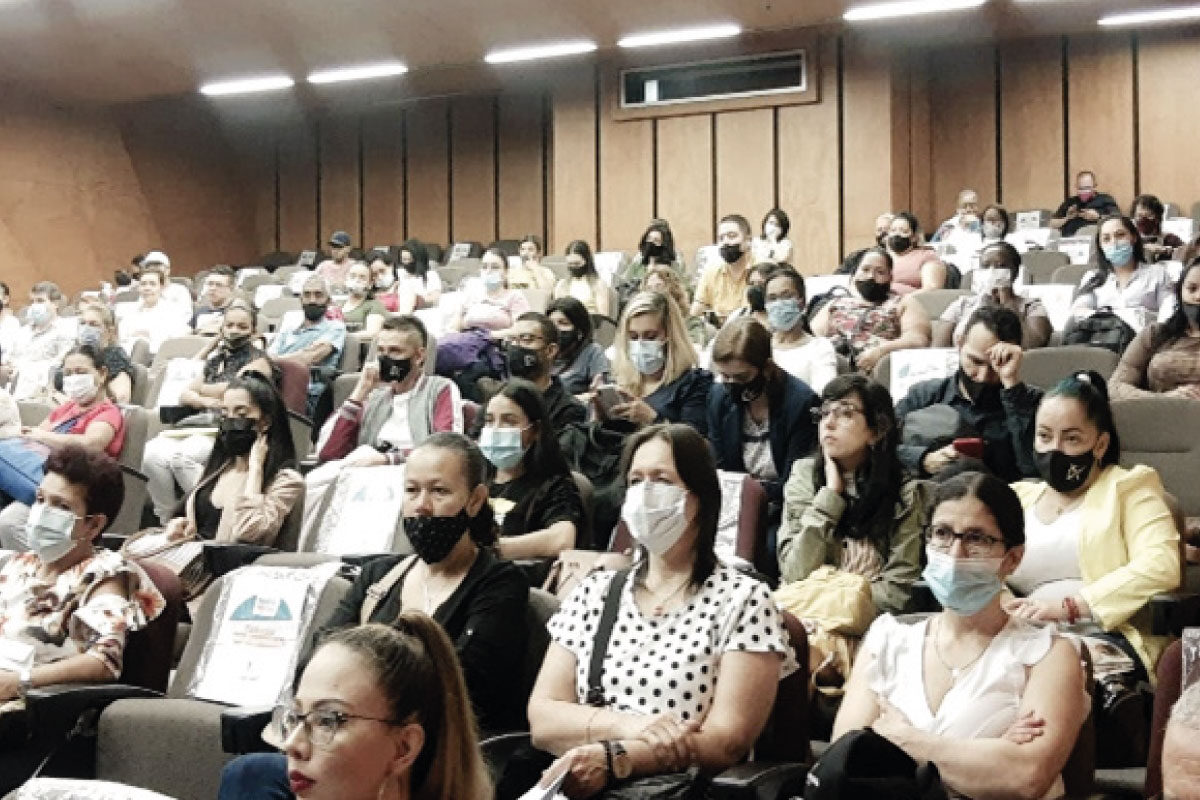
(654, 366)
(381, 711)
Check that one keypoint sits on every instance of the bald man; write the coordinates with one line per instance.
(1181, 748)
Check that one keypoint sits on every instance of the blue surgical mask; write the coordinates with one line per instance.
(1119, 253)
(38, 314)
(648, 355)
(784, 314)
(88, 335)
(962, 585)
(502, 446)
(492, 279)
(49, 532)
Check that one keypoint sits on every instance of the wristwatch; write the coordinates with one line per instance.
(24, 681)
(622, 765)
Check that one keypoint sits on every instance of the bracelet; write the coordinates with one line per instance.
(608, 757)
(587, 728)
(1072, 609)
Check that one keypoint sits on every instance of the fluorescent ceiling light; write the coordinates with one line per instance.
(362, 72)
(540, 51)
(908, 8)
(267, 83)
(1149, 17)
(681, 35)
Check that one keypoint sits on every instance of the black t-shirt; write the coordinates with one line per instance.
(1101, 203)
(539, 503)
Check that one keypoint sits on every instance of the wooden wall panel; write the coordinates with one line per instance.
(685, 181)
(963, 126)
(1031, 123)
(1168, 73)
(298, 229)
(340, 180)
(522, 168)
(745, 153)
(473, 170)
(1100, 113)
(428, 185)
(573, 164)
(808, 172)
(626, 178)
(866, 157)
(383, 178)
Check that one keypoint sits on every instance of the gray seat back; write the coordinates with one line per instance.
(1046, 366)
(1159, 432)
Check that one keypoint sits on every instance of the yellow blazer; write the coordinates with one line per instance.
(1128, 552)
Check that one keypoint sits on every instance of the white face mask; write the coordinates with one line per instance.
(79, 387)
(993, 230)
(655, 514)
(985, 281)
(356, 286)
(771, 231)
(49, 531)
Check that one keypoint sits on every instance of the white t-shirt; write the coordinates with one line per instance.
(431, 285)
(814, 362)
(155, 325)
(396, 431)
(1050, 567)
(178, 295)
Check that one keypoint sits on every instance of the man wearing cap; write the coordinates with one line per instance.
(334, 269)
(174, 293)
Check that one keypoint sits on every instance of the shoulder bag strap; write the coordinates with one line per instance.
(608, 618)
(383, 587)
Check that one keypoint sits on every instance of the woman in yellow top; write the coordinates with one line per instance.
(585, 284)
(1100, 540)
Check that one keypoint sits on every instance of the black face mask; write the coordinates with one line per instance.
(237, 342)
(873, 291)
(651, 250)
(313, 311)
(523, 362)
(899, 244)
(756, 296)
(746, 392)
(978, 392)
(731, 253)
(394, 369)
(1192, 312)
(1062, 472)
(432, 538)
(237, 434)
(577, 272)
(567, 340)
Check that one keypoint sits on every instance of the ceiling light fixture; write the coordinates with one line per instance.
(908, 8)
(679, 36)
(538, 52)
(362, 72)
(268, 83)
(1150, 17)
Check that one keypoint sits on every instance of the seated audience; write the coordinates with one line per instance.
(170, 460)
(883, 224)
(361, 311)
(810, 358)
(534, 498)
(250, 483)
(579, 359)
(1123, 277)
(992, 284)
(380, 711)
(849, 506)
(965, 220)
(174, 293)
(991, 400)
(530, 274)
(97, 327)
(722, 287)
(667, 281)
(654, 366)
(656, 248)
(491, 303)
(531, 351)
(419, 285)
(774, 246)
(67, 605)
(215, 296)
(43, 340)
(1148, 213)
(914, 266)
(755, 304)
(959, 688)
(316, 342)
(996, 224)
(1086, 207)
(1164, 358)
(585, 284)
(154, 319)
(759, 417)
(333, 270)
(393, 408)
(1181, 748)
(1101, 540)
(697, 648)
(383, 278)
(872, 320)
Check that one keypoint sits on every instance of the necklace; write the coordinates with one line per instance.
(955, 672)
(661, 601)
(429, 604)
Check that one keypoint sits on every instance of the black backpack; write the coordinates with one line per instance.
(1104, 329)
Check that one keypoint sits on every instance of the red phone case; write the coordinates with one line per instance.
(971, 448)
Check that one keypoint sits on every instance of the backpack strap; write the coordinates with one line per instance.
(383, 587)
(608, 618)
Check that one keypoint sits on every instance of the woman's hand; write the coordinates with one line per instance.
(180, 529)
(258, 452)
(587, 770)
(1025, 728)
(893, 725)
(671, 742)
(635, 410)
(833, 475)
(867, 359)
(1035, 610)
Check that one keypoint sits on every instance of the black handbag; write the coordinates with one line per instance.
(1104, 329)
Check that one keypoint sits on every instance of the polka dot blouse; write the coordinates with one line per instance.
(671, 663)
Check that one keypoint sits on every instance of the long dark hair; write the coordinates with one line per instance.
(996, 495)
(1003, 212)
(281, 450)
(579, 247)
(668, 240)
(698, 471)
(482, 528)
(1089, 388)
(788, 272)
(420, 262)
(577, 313)
(544, 458)
(1177, 326)
(872, 513)
(1104, 267)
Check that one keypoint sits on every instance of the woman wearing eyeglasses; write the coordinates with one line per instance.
(850, 507)
(995, 702)
(381, 711)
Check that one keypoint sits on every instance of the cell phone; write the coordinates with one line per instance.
(971, 448)
(607, 397)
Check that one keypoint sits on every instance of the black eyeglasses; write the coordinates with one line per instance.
(840, 410)
(976, 543)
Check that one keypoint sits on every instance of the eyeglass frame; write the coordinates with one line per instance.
(838, 409)
(302, 721)
(955, 536)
